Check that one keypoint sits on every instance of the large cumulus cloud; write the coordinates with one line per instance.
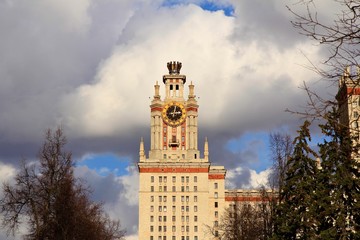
(90, 66)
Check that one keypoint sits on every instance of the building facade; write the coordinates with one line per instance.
(181, 195)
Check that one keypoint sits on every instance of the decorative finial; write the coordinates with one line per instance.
(174, 67)
(206, 149)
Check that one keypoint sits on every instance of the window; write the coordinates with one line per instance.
(195, 228)
(151, 218)
(182, 228)
(173, 238)
(195, 198)
(151, 237)
(160, 208)
(174, 198)
(151, 208)
(182, 238)
(195, 238)
(187, 188)
(173, 218)
(216, 214)
(187, 208)
(164, 208)
(182, 208)
(160, 179)
(173, 229)
(173, 188)
(160, 198)
(165, 188)
(195, 188)
(182, 218)
(174, 179)
(195, 178)
(173, 208)
(182, 188)
(216, 233)
(151, 228)
(182, 198)
(356, 114)
(187, 229)
(195, 209)
(160, 188)
(160, 228)
(151, 198)
(216, 195)
(187, 198)
(187, 218)
(160, 218)
(159, 238)
(165, 198)
(195, 218)
(165, 154)
(187, 238)
(182, 179)
(164, 229)
(164, 218)
(152, 188)
(216, 223)
(216, 185)
(165, 179)
(152, 178)
(187, 179)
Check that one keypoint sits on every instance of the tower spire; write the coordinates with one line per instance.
(206, 149)
(142, 150)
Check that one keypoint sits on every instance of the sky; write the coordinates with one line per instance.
(90, 67)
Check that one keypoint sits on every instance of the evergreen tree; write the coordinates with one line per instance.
(338, 190)
(295, 217)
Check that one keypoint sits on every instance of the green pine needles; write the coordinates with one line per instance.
(320, 198)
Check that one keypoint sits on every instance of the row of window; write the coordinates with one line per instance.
(164, 198)
(183, 228)
(173, 218)
(164, 178)
(174, 238)
(164, 188)
(164, 208)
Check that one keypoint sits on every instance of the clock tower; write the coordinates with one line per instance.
(174, 119)
(180, 194)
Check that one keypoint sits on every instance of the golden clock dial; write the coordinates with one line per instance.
(174, 113)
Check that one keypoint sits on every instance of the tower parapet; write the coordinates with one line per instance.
(174, 67)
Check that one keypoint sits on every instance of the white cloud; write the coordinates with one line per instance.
(7, 172)
(254, 180)
(119, 194)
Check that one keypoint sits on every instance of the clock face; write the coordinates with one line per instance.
(174, 113)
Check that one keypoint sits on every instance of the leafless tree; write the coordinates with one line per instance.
(281, 148)
(340, 36)
(52, 203)
(245, 220)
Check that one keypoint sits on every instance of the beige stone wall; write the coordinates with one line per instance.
(189, 205)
